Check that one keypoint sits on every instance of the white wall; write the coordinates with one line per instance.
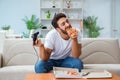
(117, 14)
(101, 9)
(13, 11)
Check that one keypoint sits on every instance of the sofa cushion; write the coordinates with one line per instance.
(15, 72)
(17, 69)
(115, 68)
(100, 51)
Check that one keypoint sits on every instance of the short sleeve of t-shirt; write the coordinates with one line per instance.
(49, 40)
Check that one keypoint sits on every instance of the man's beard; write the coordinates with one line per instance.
(64, 31)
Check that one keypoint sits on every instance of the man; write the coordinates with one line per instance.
(61, 48)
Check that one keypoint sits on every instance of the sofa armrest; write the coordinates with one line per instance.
(0, 59)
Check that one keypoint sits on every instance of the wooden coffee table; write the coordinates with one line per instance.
(50, 76)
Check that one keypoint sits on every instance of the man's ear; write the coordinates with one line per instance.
(58, 29)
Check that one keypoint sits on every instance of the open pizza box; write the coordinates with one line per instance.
(60, 72)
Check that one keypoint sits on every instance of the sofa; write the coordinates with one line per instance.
(19, 56)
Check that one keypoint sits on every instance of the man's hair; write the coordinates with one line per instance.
(56, 18)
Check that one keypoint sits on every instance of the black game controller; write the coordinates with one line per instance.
(34, 36)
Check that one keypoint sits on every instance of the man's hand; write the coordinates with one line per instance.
(73, 33)
(38, 43)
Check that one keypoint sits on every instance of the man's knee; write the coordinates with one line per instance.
(40, 67)
(78, 61)
(78, 64)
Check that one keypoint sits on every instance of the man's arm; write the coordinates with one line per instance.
(44, 52)
(76, 48)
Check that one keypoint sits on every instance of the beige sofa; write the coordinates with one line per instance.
(101, 53)
(19, 56)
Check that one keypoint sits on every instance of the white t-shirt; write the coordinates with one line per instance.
(61, 48)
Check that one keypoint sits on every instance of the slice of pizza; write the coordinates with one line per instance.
(72, 72)
(71, 31)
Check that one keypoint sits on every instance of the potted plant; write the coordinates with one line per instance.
(6, 27)
(7, 30)
(32, 24)
(48, 15)
(90, 27)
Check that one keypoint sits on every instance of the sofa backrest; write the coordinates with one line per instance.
(18, 52)
(100, 51)
(94, 51)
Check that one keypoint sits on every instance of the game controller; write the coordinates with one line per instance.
(34, 36)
